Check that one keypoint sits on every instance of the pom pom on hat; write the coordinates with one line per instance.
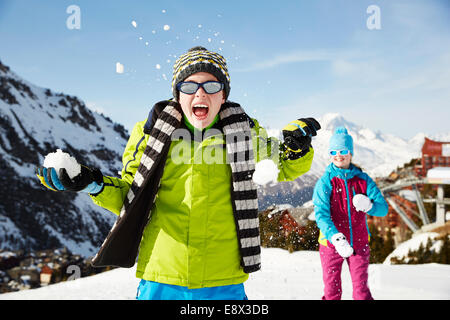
(340, 130)
(341, 140)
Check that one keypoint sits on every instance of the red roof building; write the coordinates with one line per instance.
(46, 275)
(434, 154)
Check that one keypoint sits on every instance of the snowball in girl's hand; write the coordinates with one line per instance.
(60, 159)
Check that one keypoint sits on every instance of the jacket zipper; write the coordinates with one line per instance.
(367, 225)
(349, 209)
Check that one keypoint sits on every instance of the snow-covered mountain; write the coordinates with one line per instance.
(33, 122)
(376, 152)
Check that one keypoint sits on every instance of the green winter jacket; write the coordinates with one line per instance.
(191, 237)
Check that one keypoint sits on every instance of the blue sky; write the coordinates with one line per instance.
(287, 59)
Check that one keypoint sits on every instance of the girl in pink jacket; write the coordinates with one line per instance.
(343, 197)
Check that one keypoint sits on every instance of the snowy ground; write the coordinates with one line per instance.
(284, 276)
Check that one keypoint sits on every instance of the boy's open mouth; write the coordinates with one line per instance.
(200, 111)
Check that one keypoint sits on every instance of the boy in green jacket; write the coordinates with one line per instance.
(186, 201)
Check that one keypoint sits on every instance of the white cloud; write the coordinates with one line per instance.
(360, 71)
(296, 57)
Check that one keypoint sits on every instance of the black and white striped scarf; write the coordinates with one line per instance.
(122, 243)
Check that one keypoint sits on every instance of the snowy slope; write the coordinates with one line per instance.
(283, 276)
(35, 121)
(413, 244)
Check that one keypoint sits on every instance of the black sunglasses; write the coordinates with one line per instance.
(190, 87)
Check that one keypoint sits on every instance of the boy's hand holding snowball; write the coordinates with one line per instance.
(297, 141)
(62, 172)
(362, 202)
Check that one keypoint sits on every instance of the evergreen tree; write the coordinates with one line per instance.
(412, 255)
(274, 236)
(389, 245)
(293, 242)
(377, 254)
(310, 237)
(271, 232)
(444, 254)
(425, 254)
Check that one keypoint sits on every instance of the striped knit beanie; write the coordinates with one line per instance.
(199, 59)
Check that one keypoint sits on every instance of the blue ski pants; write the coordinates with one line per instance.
(149, 290)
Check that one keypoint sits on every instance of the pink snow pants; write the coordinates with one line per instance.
(358, 265)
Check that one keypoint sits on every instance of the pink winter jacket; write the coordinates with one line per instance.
(333, 205)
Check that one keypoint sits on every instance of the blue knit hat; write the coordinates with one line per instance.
(341, 140)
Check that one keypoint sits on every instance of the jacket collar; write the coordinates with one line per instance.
(342, 173)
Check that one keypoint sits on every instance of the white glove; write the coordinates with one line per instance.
(362, 202)
(342, 246)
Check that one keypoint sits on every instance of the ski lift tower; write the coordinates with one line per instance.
(434, 169)
(439, 176)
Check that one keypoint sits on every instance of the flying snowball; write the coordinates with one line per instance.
(134, 23)
(119, 67)
(166, 27)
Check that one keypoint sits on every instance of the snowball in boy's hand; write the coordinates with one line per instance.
(362, 202)
(265, 171)
(60, 159)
